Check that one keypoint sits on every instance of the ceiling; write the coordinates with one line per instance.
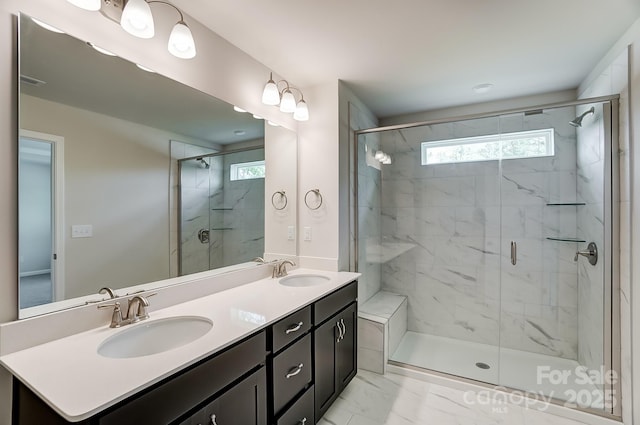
(416, 55)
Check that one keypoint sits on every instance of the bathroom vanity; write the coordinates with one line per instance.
(275, 355)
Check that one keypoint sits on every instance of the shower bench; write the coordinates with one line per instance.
(382, 321)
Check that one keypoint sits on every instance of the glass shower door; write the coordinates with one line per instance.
(552, 324)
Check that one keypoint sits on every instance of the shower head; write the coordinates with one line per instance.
(578, 121)
(202, 163)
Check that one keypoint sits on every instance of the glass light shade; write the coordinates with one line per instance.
(302, 112)
(137, 19)
(270, 94)
(379, 155)
(92, 5)
(288, 103)
(101, 50)
(181, 44)
(47, 26)
(238, 109)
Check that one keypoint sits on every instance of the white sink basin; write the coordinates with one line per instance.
(156, 336)
(299, 280)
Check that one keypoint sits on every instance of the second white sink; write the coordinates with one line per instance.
(155, 336)
(299, 280)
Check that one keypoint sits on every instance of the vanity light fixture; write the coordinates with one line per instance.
(238, 109)
(272, 124)
(47, 26)
(92, 5)
(258, 117)
(101, 50)
(272, 95)
(144, 68)
(383, 157)
(136, 19)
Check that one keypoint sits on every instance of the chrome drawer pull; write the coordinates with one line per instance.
(340, 335)
(294, 328)
(213, 420)
(293, 372)
(303, 421)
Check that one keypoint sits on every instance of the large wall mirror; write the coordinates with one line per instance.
(127, 177)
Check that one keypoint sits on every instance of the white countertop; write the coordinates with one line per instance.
(77, 382)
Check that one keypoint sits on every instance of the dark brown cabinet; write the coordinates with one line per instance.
(335, 357)
(287, 374)
(245, 403)
(335, 350)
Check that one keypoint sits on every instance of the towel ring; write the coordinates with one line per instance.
(282, 196)
(318, 195)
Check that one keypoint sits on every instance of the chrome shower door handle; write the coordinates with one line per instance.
(514, 253)
(591, 253)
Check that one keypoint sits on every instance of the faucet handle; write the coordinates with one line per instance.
(116, 317)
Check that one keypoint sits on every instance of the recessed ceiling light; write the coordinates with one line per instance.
(47, 26)
(144, 68)
(482, 88)
(101, 50)
(239, 132)
(238, 109)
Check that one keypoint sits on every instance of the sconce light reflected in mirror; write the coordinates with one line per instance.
(383, 157)
(272, 95)
(136, 19)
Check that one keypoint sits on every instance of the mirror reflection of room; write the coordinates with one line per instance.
(99, 185)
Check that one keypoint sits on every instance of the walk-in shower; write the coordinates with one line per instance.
(500, 231)
(221, 209)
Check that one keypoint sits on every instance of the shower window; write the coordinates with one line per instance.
(521, 144)
(247, 170)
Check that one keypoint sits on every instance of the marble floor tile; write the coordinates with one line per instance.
(372, 399)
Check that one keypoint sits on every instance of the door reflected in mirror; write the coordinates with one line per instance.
(100, 183)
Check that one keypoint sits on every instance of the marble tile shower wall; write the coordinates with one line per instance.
(233, 211)
(241, 214)
(591, 165)
(369, 218)
(460, 220)
(195, 190)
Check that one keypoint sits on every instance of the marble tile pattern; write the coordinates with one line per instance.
(615, 79)
(195, 205)
(369, 220)
(372, 399)
(591, 219)
(462, 217)
(233, 211)
(382, 323)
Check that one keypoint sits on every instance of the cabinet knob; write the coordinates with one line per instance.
(294, 328)
(213, 420)
(294, 371)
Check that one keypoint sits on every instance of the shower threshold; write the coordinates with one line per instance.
(505, 368)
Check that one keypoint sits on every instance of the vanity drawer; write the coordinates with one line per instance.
(332, 303)
(292, 371)
(290, 328)
(168, 401)
(301, 413)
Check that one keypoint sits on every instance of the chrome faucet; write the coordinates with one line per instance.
(280, 268)
(136, 311)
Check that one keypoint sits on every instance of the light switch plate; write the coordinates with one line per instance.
(291, 233)
(81, 231)
(307, 233)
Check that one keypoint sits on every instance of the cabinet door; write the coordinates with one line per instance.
(325, 365)
(346, 365)
(245, 403)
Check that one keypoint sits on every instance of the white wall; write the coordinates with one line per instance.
(220, 69)
(282, 148)
(318, 158)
